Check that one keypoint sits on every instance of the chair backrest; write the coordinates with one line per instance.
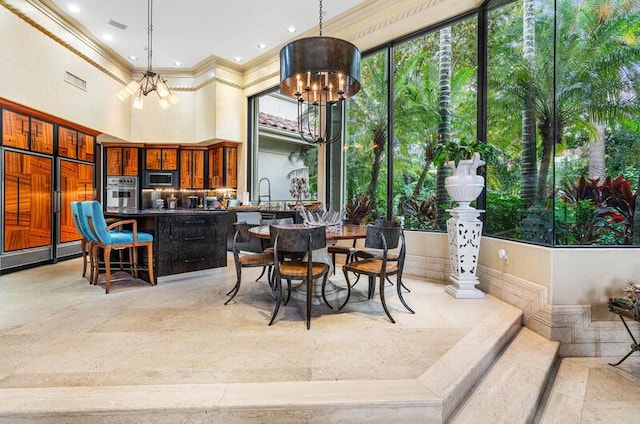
(276, 221)
(249, 217)
(94, 218)
(298, 240)
(76, 213)
(382, 237)
(242, 234)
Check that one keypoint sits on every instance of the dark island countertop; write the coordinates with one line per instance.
(163, 212)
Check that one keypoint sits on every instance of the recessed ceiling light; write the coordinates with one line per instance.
(133, 57)
(107, 37)
(177, 63)
(262, 46)
(238, 59)
(73, 8)
(291, 29)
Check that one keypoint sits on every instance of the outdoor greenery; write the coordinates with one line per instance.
(566, 132)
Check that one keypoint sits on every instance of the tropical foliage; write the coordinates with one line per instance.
(562, 110)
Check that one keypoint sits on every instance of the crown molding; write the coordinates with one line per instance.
(375, 14)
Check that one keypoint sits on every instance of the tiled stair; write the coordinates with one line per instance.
(511, 389)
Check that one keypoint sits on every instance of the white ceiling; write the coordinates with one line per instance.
(190, 31)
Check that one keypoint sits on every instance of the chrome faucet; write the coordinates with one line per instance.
(262, 196)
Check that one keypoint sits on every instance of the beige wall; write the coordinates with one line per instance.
(33, 69)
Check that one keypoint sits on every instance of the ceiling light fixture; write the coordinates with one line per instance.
(262, 46)
(291, 29)
(319, 72)
(150, 81)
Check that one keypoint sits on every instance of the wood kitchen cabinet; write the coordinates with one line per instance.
(223, 165)
(25, 132)
(74, 144)
(27, 200)
(76, 184)
(191, 168)
(122, 161)
(161, 159)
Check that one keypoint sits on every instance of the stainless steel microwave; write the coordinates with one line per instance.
(161, 179)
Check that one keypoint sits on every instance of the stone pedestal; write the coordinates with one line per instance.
(465, 232)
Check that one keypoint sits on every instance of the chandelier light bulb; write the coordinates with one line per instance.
(173, 99)
(164, 103)
(163, 90)
(138, 103)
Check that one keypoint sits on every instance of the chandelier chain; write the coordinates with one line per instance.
(320, 18)
(149, 33)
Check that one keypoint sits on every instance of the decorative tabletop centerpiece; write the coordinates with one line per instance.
(299, 189)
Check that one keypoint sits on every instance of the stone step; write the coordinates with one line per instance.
(511, 390)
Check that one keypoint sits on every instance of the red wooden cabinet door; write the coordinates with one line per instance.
(15, 129)
(67, 142)
(27, 198)
(41, 136)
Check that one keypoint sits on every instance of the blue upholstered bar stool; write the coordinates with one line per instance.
(76, 212)
(103, 237)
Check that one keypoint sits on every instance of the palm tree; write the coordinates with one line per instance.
(529, 168)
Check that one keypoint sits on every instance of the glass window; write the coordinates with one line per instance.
(365, 147)
(435, 100)
(278, 152)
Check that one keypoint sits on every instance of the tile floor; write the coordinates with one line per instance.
(589, 390)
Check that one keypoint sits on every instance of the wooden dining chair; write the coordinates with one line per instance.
(383, 238)
(289, 246)
(243, 259)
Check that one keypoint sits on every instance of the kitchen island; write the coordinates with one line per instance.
(184, 240)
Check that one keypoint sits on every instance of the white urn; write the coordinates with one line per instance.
(464, 186)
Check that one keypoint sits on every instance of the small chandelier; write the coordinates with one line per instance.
(150, 81)
(319, 72)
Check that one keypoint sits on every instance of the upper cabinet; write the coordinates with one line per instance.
(74, 144)
(121, 161)
(223, 165)
(161, 159)
(25, 132)
(191, 168)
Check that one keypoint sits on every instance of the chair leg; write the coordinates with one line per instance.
(152, 279)
(262, 273)
(235, 288)
(324, 284)
(93, 257)
(288, 292)
(346, 277)
(134, 257)
(384, 303)
(309, 300)
(276, 308)
(107, 267)
(83, 249)
(372, 287)
(399, 287)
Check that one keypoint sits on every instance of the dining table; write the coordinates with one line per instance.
(334, 233)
